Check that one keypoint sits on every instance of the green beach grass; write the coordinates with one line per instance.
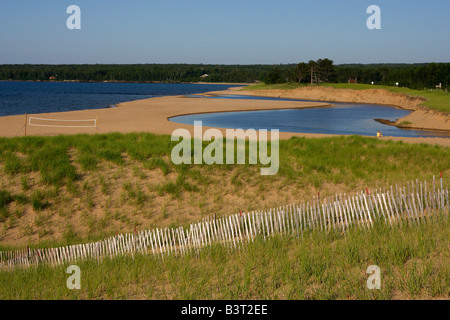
(71, 189)
(436, 99)
(413, 260)
(67, 189)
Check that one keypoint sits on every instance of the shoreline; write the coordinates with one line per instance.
(145, 115)
(153, 115)
(421, 118)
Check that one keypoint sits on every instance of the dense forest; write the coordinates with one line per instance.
(139, 72)
(417, 76)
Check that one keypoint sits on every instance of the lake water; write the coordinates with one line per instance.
(341, 118)
(19, 97)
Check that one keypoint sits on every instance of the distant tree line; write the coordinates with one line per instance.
(418, 76)
(138, 72)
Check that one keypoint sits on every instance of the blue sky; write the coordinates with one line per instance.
(224, 32)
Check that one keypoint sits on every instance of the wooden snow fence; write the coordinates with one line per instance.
(412, 203)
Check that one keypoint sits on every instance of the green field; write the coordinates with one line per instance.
(436, 99)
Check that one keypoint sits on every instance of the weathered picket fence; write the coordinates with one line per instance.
(411, 204)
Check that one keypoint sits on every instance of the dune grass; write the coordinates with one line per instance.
(414, 261)
(66, 189)
(436, 99)
(342, 159)
(114, 182)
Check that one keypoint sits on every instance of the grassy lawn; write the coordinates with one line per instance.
(414, 263)
(436, 99)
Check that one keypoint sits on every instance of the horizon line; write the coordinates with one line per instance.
(223, 64)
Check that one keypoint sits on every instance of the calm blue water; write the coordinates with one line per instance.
(39, 97)
(341, 118)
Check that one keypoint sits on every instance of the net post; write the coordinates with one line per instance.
(25, 130)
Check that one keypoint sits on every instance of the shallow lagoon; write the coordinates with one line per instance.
(339, 118)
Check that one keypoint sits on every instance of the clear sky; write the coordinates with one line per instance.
(224, 32)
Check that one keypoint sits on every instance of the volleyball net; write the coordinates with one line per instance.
(62, 123)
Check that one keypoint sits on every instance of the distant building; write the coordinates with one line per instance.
(353, 80)
(52, 78)
(204, 75)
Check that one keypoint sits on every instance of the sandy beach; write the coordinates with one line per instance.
(152, 115)
(148, 115)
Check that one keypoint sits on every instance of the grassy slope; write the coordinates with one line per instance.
(68, 189)
(414, 263)
(436, 99)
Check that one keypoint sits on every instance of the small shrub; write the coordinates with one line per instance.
(38, 202)
(5, 198)
(88, 162)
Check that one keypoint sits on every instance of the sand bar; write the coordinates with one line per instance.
(152, 115)
(147, 115)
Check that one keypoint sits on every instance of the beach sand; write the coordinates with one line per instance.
(148, 115)
(152, 115)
